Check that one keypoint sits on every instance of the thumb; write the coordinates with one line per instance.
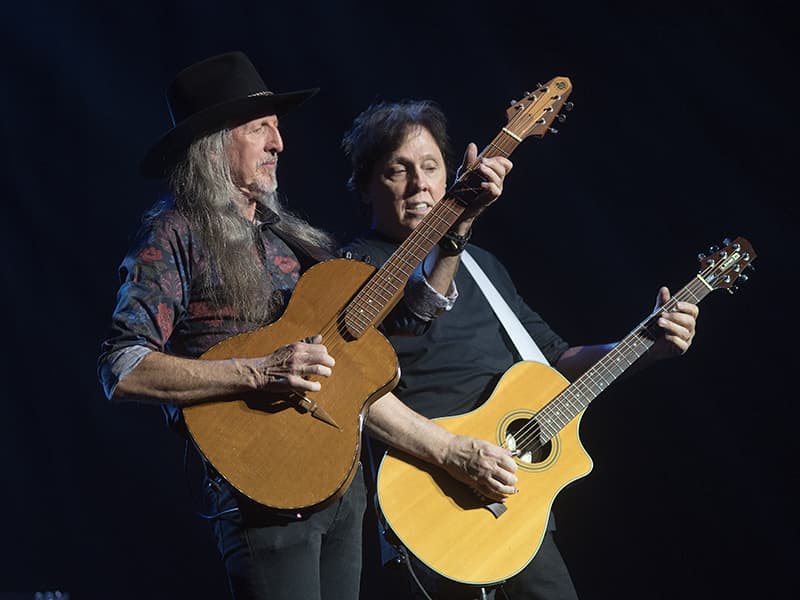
(663, 297)
(470, 156)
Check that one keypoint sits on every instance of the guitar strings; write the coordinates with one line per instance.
(530, 435)
(383, 282)
(552, 412)
(386, 283)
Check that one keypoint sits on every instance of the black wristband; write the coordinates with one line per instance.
(453, 243)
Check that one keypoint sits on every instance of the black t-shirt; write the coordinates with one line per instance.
(454, 366)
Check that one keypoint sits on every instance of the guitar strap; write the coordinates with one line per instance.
(523, 342)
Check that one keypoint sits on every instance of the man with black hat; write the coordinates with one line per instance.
(221, 256)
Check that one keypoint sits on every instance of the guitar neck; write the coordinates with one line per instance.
(532, 115)
(575, 398)
(384, 289)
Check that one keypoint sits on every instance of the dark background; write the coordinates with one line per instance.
(680, 136)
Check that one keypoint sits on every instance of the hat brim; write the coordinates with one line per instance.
(169, 150)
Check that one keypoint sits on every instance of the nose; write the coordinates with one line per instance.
(418, 181)
(273, 142)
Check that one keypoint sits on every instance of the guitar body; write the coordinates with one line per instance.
(446, 525)
(295, 452)
(465, 538)
(269, 448)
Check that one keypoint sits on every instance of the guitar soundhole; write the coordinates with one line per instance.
(524, 437)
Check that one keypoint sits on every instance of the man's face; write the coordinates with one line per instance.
(252, 151)
(406, 184)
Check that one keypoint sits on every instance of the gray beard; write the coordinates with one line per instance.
(234, 275)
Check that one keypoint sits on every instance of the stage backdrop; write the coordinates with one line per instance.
(680, 136)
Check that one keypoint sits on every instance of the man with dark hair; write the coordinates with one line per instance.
(399, 153)
(219, 257)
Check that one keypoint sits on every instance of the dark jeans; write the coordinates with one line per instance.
(545, 578)
(269, 556)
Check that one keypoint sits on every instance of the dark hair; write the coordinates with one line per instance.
(381, 129)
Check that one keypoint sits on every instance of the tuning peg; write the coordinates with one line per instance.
(568, 106)
(553, 130)
(561, 118)
(743, 277)
(513, 102)
(713, 249)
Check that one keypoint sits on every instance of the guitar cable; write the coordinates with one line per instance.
(406, 558)
(212, 482)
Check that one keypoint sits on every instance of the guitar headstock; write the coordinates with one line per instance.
(534, 113)
(726, 266)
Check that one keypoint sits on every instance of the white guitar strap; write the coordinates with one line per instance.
(526, 347)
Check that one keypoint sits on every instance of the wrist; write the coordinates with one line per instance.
(453, 243)
(251, 375)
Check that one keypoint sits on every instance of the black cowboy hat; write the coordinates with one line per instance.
(209, 95)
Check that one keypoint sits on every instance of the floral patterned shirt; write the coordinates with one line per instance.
(161, 305)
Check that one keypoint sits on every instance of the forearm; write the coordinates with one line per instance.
(578, 359)
(162, 378)
(395, 424)
(440, 270)
(478, 463)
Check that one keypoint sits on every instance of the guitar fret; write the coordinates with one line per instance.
(499, 149)
(575, 398)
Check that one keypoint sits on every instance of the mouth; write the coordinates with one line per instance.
(270, 164)
(418, 208)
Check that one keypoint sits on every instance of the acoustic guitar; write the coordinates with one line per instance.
(295, 451)
(534, 412)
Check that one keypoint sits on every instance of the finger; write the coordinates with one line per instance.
(299, 384)
(504, 478)
(672, 328)
(320, 370)
(316, 354)
(503, 489)
(662, 297)
(497, 165)
(491, 493)
(507, 464)
(323, 359)
(687, 308)
(470, 156)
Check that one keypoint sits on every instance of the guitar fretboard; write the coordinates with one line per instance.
(385, 288)
(555, 415)
(532, 115)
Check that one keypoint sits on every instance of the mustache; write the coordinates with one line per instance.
(272, 160)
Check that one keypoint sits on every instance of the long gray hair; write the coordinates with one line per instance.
(233, 273)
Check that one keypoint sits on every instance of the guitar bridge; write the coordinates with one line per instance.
(496, 508)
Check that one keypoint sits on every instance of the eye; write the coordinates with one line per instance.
(395, 173)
